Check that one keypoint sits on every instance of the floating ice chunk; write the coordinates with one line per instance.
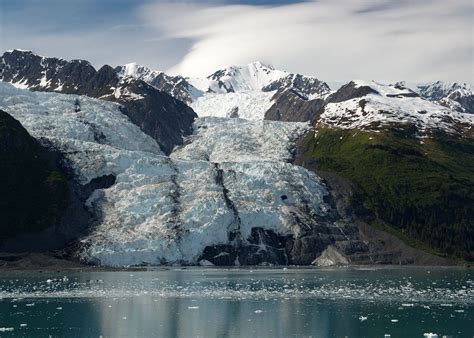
(430, 335)
(205, 262)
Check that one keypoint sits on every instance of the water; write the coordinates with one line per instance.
(352, 302)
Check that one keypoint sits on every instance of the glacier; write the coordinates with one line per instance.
(230, 176)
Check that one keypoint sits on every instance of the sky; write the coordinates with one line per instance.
(334, 40)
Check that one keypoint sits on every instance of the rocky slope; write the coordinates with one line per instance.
(409, 159)
(158, 114)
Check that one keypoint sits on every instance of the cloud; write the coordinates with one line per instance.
(335, 40)
(331, 39)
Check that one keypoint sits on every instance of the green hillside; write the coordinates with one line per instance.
(422, 189)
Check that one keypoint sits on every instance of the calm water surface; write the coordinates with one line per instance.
(340, 302)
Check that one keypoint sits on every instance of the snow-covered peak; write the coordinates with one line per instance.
(137, 71)
(374, 106)
(253, 76)
(440, 89)
(457, 96)
(391, 90)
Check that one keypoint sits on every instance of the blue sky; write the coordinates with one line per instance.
(335, 40)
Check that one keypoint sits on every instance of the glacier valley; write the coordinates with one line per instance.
(229, 195)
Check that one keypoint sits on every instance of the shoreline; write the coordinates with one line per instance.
(44, 262)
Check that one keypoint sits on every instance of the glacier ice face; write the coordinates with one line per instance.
(231, 176)
(172, 214)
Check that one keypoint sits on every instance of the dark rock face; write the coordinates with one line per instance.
(176, 86)
(166, 125)
(265, 247)
(291, 107)
(42, 206)
(302, 85)
(350, 91)
(159, 115)
(292, 101)
(466, 101)
(262, 247)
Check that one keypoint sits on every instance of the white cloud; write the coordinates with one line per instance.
(333, 39)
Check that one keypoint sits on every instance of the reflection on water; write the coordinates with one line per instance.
(224, 303)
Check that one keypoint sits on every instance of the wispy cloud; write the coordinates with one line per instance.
(386, 40)
(333, 39)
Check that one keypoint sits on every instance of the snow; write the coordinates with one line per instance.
(251, 105)
(21, 84)
(391, 107)
(251, 77)
(124, 93)
(236, 86)
(168, 209)
(243, 89)
(238, 140)
(440, 89)
(137, 71)
(52, 116)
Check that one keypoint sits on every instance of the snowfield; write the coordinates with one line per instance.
(239, 140)
(250, 105)
(168, 209)
(392, 105)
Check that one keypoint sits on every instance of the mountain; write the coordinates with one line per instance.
(453, 95)
(158, 114)
(410, 161)
(176, 86)
(149, 182)
(373, 106)
(227, 196)
(253, 91)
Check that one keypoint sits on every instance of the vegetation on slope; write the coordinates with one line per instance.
(420, 188)
(33, 189)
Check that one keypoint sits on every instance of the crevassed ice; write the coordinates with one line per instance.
(250, 105)
(168, 209)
